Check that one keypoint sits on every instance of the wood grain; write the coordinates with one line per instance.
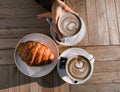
(18, 3)
(113, 87)
(6, 57)
(64, 87)
(81, 10)
(13, 78)
(106, 66)
(24, 83)
(8, 43)
(47, 83)
(100, 53)
(102, 22)
(102, 39)
(109, 77)
(19, 33)
(93, 31)
(117, 3)
(59, 84)
(112, 22)
(35, 85)
(29, 22)
(21, 12)
(4, 79)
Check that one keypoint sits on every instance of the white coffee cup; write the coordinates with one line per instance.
(69, 24)
(68, 40)
(79, 70)
(66, 57)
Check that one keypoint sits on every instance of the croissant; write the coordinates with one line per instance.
(34, 53)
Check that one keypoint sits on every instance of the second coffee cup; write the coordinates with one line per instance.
(75, 66)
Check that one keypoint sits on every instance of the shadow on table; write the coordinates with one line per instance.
(11, 77)
(24, 22)
(51, 80)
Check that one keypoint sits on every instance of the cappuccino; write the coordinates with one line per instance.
(69, 24)
(78, 68)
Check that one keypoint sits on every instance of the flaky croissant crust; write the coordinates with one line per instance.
(34, 53)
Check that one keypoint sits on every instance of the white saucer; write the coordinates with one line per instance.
(41, 70)
(73, 40)
(69, 53)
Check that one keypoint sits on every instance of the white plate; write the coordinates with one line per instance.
(69, 53)
(41, 70)
(73, 40)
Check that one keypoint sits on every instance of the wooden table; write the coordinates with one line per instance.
(102, 17)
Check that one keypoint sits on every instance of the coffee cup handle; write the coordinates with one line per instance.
(92, 59)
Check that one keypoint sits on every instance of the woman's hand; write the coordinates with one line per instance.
(58, 8)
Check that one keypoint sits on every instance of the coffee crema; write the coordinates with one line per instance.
(78, 68)
(69, 24)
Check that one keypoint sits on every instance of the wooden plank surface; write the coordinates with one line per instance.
(101, 53)
(35, 85)
(4, 79)
(24, 83)
(23, 22)
(47, 83)
(13, 78)
(81, 10)
(102, 39)
(112, 22)
(6, 12)
(117, 3)
(96, 88)
(102, 22)
(59, 84)
(8, 43)
(106, 66)
(6, 34)
(92, 24)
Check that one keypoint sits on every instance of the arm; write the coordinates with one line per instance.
(46, 3)
(57, 7)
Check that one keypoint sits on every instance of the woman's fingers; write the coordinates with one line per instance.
(58, 8)
(55, 16)
(67, 9)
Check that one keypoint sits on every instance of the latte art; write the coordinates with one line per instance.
(78, 68)
(69, 24)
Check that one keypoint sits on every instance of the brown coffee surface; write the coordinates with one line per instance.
(69, 24)
(78, 68)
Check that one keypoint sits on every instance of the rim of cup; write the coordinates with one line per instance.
(87, 76)
(58, 23)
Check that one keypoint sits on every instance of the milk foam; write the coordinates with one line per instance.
(78, 68)
(69, 24)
